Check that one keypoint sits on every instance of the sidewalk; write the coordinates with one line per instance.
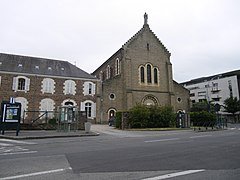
(41, 134)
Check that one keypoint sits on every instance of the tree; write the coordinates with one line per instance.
(232, 105)
(202, 106)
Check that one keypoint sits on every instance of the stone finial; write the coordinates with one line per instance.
(145, 19)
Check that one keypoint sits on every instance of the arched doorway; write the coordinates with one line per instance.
(111, 113)
(111, 116)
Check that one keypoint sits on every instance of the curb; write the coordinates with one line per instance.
(49, 136)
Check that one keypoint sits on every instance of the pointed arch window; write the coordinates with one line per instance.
(155, 72)
(117, 67)
(142, 75)
(108, 72)
(101, 75)
(149, 74)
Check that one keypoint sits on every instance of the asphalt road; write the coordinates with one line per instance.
(125, 155)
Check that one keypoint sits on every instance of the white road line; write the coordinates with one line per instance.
(16, 141)
(200, 136)
(161, 140)
(166, 176)
(5, 144)
(15, 153)
(35, 174)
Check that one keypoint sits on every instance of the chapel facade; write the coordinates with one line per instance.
(139, 72)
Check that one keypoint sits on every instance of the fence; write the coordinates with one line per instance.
(34, 116)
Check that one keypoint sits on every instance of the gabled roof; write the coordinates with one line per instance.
(135, 36)
(139, 33)
(40, 66)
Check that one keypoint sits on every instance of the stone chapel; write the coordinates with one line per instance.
(139, 72)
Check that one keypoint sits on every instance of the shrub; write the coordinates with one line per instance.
(52, 121)
(118, 119)
(202, 118)
(142, 116)
(167, 116)
(138, 116)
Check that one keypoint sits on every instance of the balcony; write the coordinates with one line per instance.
(215, 90)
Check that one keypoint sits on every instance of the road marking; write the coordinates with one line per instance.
(5, 144)
(12, 149)
(166, 176)
(14, 153)
(161, 140)
(35, 174)
(200, 136)
(17, 141)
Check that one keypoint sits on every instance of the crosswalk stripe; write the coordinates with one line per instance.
(5, 144)
(17, 141)
(20, 152)
(13, 147)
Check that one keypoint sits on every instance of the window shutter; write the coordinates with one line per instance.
(14, 86)
(93, 110)
(82, 107)
(27, 84)
(93, 89)
(52, 86)
(85, 88)
(71, 87)
(44, 84)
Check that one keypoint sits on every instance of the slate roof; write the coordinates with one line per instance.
(40, 66)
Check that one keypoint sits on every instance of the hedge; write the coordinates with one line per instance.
(203, 118)
(142, 116)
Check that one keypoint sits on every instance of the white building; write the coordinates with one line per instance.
(214, 88)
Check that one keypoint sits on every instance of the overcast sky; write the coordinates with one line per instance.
(203, 36)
